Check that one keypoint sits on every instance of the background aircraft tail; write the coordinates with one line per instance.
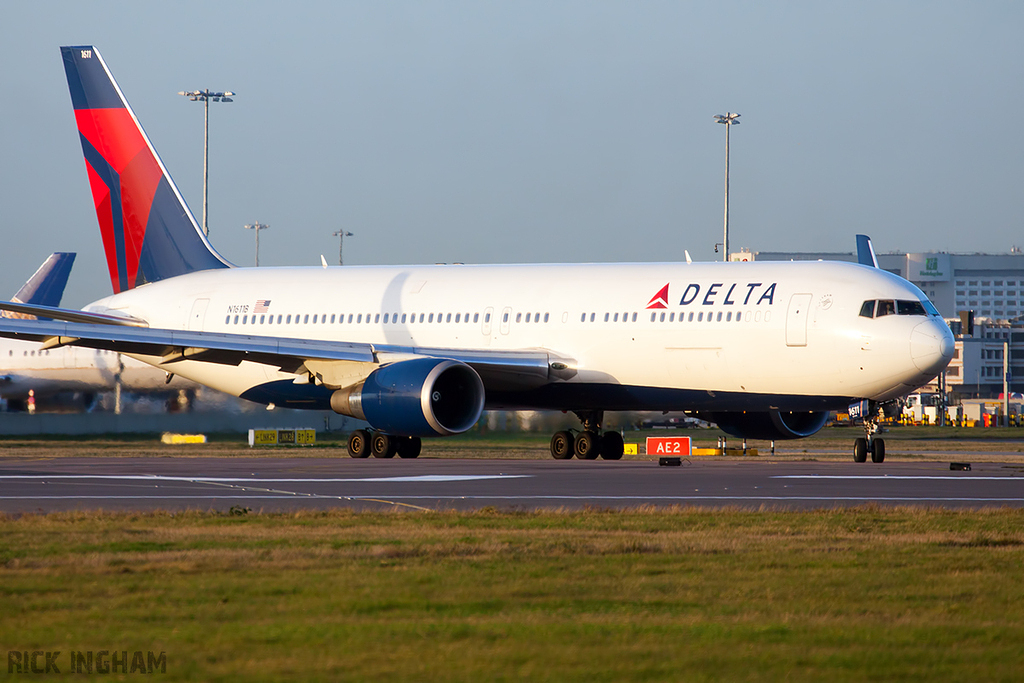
(148, 232)
(46, 286)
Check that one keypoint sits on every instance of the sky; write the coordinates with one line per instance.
(523, 132)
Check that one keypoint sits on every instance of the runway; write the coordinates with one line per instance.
(287, 484)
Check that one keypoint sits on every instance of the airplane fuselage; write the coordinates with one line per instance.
(736, 336)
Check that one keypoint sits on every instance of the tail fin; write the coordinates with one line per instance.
(46, 286)
(148, 232)
(866, 252)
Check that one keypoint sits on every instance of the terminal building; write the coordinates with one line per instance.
(990, 285)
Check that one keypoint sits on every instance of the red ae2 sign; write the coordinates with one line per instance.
(668, 445)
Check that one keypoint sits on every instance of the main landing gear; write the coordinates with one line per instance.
(589, 443)
(363, 444)
(869, 443)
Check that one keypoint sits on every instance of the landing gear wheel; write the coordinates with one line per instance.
(382, 446)
(877, 450)
(561, 446)
(860, 449)
(588, 445)
(409, 446)
(359, 444)
(611, 446)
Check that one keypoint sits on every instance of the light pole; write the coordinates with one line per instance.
(729, 119)
(205, 96)
(341, 235)
(256, 227)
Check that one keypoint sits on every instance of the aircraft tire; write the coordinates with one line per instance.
(359, 444)
(587, 445)
(860, 449)
(562, 446)
(409, 446)
(612, 446)
(878, 450)
(382, 445)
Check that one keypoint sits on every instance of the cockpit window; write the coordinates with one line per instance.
(876, 309)
(910, 308)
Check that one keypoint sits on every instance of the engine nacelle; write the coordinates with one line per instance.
(771, 425)
(419, 397)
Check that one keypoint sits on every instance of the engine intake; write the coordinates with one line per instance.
(419, 397)
(771, 425)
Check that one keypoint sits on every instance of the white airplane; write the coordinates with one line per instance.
(765, 350)
(27, 369)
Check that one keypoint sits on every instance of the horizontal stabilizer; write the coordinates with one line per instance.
(69, 315)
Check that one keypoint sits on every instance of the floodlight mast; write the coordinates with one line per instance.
(341, 235)
(729, 119)
(256, 227)
(205, 96)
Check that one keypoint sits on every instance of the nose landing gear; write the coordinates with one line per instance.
(869, 444)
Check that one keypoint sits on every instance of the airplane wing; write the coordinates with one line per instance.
(321, 358)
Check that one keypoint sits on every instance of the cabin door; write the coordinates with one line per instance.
(796, 320)
(198, 315)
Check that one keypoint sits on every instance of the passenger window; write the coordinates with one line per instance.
(545, 317)
(527, 317)
(504, 318)
(385, 318)
(306, 319)
(376, 318)
(634, 317)
(448, 318)
(519, 317)
(476, 317)
(885, 307)
(867, 309)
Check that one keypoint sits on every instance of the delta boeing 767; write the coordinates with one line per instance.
(765, 350)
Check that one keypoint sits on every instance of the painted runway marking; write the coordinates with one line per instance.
(966, 477)
(253, 480)
(903, 499)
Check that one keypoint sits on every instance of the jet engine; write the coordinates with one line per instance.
(419, 397)
(772, 425)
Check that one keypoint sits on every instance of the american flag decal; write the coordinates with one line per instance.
(262, 305)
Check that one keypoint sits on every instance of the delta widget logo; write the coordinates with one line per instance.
(659, 300)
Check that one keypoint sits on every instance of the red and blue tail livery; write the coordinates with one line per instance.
(148, 232)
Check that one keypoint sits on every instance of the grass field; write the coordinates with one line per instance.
(685, 594)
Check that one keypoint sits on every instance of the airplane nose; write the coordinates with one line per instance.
(931, 346)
